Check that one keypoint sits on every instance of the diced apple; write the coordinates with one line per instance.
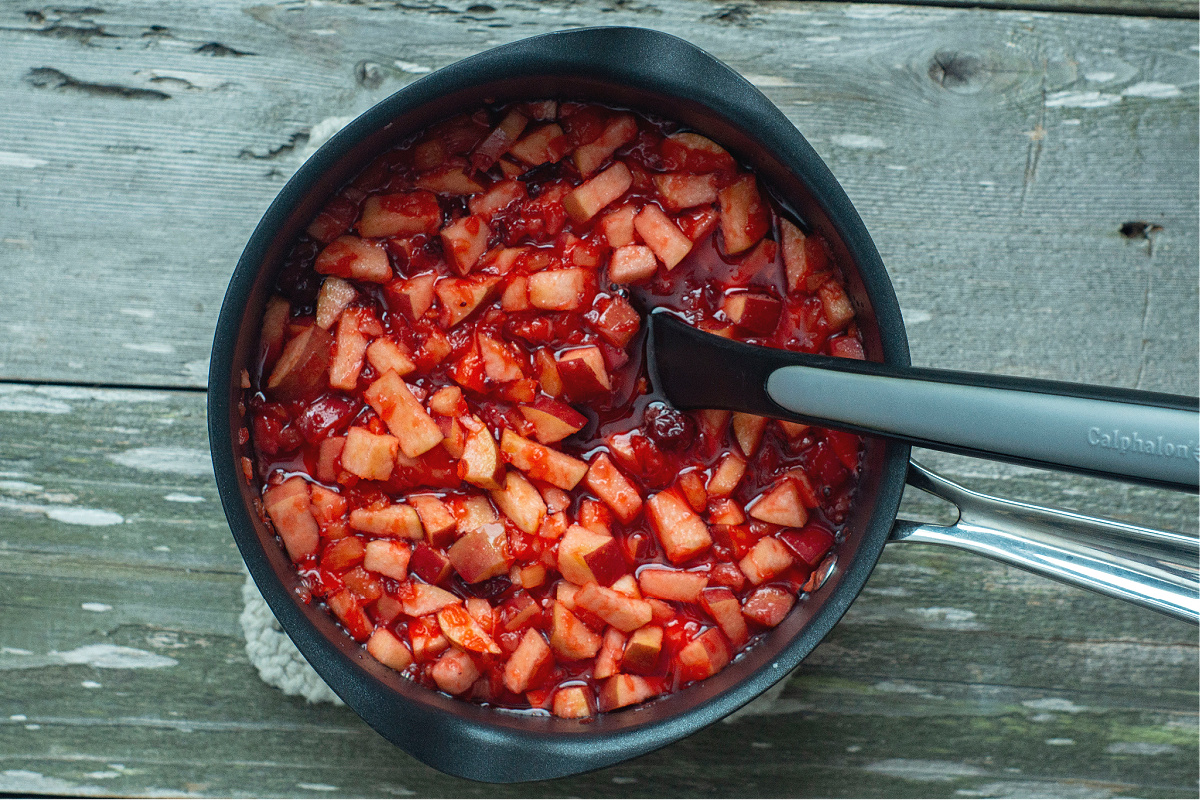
(481, 554)
(745, 218)
(464, 241)
(449, 179)
(429, 564)
(499, 197)
(559, 289)
(704, 656)
(662, 235)
(498, 142)
(428, 641)
(343, 554)
(625, 690)
(782, 505)
(516, 294)
(327, 506)
(576, 544)
(437, 521)
(846, 347)
(680, 530)
(547, 372)
(420, 599)
(333, 220)
(621, 611)
(480, 464)
(383, 354)
(631, 263)
(691, 152)
(753, 312)
(349, 348)
(691, 486)
(613, 488)
(329, 459)
(642, 650)
(464, 631)
(727, 475)
(569, 637)
(590, 197)
(404, 415)
(617, 321)
(404, 214)
(397, 520)
(552, 421)
(454, 672)
(794, 431)
(608, 660)
(521, 502)
(573, 702)
(461, 296)
(388, 650)
(713, 422)
(619, 132)
(413, 296)
(471, 513)
(301, 367)
(499, 363)
(532, 576)
(765, 560)
(768, 605)
(583, 373)
(617, 226)
(748, 430)
(722, 605)
(387, 558)
(725, 512)
(332, 300)
(348, 609)
(794, 261)
(448, 401)
(290, 509)
(530, 656)
(672, 584)
(838, 311)
(368, 455)
(680, 190)
(810, 544)
(540, 462)
(543, 145)
(352, 257)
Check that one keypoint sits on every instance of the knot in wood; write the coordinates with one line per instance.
(956, 71)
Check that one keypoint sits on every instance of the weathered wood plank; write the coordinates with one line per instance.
(950, 674)
(994, 155)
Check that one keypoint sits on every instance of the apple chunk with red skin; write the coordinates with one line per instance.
(530, 656)
(569, 637)
(480, 464)
(621, 611)
(521, 502)
(782, 505)
(722, 605)
(301, 367)
(583, 373)
(662, 236)
(589, 198)
(460, 296)
(753, 312)
(625, 690)
(704, 656)
(540, 462)
(745, 218)
(388, 650)
(552, 421)
(481, 554)
(290, 509)
(642, 650)
(585, 556)
(765, 560)
(352, 257)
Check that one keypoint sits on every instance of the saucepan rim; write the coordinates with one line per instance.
(482, 743)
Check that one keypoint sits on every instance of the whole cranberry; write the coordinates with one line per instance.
(669, 428)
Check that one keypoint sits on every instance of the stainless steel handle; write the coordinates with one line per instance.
(1151, 568)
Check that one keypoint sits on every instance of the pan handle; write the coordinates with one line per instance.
(1150, 568)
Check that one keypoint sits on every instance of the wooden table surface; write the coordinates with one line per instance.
(1029, 175)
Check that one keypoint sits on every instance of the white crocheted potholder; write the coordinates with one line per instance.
(272, 653)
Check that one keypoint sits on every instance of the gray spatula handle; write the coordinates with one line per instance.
(1100, 436)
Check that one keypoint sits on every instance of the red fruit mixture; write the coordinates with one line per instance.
(454, 432)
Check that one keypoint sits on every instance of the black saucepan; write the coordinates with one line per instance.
(639, 69)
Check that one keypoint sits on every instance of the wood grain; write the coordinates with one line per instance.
(950, 675)
(995, 156)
